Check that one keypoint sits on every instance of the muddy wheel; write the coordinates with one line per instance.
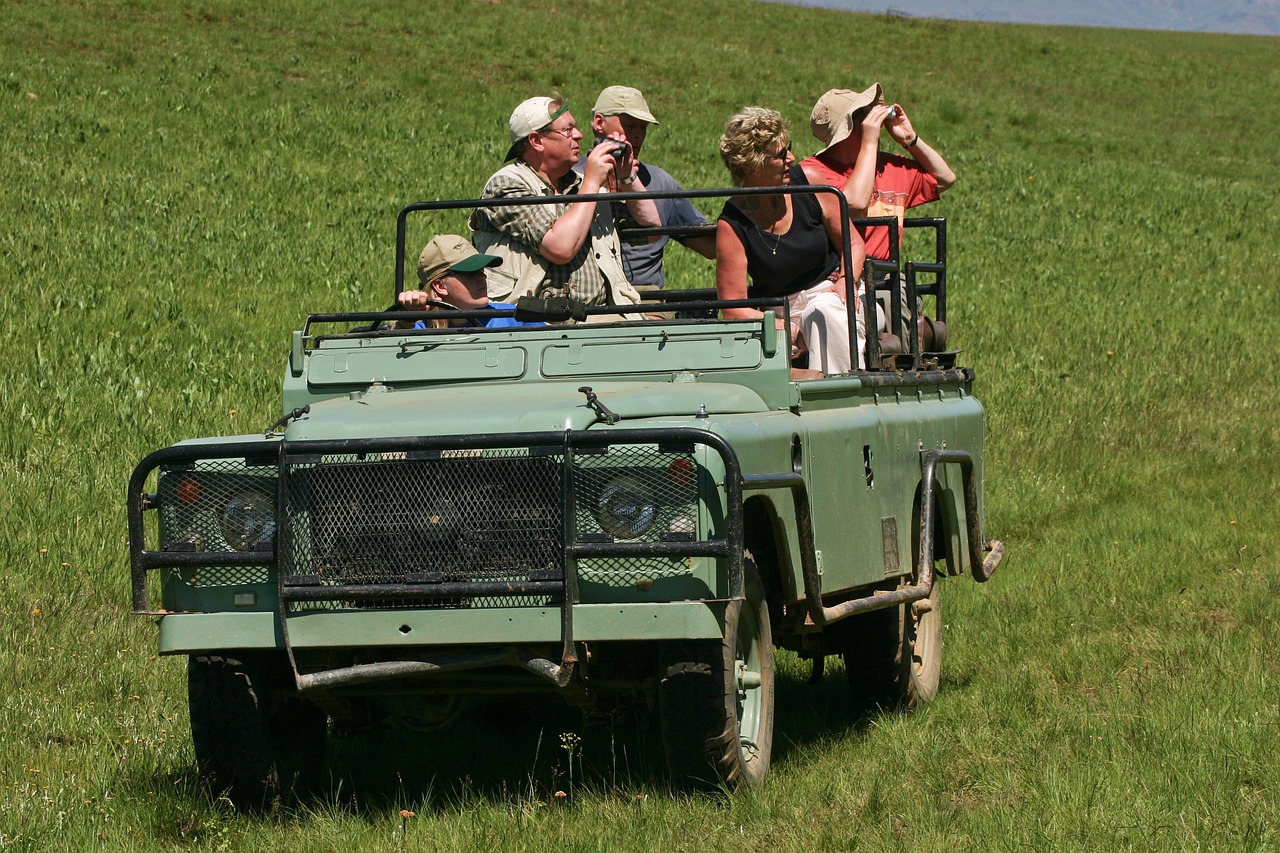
(715, 699)
(893, 657)
(256, 741)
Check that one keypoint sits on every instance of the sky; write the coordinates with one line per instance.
(1248, 17)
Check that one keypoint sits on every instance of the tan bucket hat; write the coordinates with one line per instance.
(830, 120)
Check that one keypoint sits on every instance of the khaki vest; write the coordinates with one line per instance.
(524, 272)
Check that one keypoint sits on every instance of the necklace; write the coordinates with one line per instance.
(777, 240)
(753, 208)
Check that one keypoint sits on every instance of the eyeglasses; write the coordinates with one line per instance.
(566, 132)
(781, 155)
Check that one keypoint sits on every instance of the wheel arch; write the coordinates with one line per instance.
(948, 526)
(765, 537)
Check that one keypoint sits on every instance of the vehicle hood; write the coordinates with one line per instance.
(382, 412)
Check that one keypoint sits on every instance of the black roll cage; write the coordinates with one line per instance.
(703, 301)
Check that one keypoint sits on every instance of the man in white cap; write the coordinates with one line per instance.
(558, 249)
(875, 182)
(453, 272)
(622, 110)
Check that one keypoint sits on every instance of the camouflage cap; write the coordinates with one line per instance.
(623, 100)
(448, 253)
(830, 122)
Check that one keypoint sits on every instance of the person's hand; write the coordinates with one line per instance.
(413, 299)
(900, 127)
(626, 165)
(837, 285)
(874, 120)
(601, 162)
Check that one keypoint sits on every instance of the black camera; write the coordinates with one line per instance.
(620, 150)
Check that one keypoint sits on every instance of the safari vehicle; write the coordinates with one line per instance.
(616, 511)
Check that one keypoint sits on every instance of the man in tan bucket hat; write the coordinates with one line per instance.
(875, 182)
(848, 124)
(557, 249)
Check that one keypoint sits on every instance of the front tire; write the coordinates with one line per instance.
(716, 698)
(256, 741)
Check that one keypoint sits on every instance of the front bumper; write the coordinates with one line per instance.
(195, 633)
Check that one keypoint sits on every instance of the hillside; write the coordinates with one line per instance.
(184, 182)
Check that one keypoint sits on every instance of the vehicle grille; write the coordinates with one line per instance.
(428, 523)
(391, 520)
(470, 517)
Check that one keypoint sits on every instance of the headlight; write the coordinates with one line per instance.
(626, 508)
(248, 521)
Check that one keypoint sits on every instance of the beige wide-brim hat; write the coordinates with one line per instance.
(448, 253)
(623, 101)
(831, 120)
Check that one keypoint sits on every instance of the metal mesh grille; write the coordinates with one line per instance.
(665, 481)
(396, 520)
(230, 576)
(388, 519)
(636, 476)
(420, 518)
(218, 505)
(631, 571)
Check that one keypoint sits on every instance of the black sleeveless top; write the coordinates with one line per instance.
(782, 264)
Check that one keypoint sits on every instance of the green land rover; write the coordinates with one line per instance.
(612, 511)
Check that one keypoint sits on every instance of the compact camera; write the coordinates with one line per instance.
(893, 113)
(620, 150)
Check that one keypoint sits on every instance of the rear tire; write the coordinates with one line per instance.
(716, 699)
(893, 657)
(256, 740)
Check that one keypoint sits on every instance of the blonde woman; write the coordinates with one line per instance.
(785, 245)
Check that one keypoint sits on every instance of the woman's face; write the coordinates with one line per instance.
(773, 171)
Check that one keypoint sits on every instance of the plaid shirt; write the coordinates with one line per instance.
(581, 278)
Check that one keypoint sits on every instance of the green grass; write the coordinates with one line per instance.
(184, 181)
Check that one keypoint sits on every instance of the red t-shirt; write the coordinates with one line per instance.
(894, 174)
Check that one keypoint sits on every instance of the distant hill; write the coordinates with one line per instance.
(1248, 17)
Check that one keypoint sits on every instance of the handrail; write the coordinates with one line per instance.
(873, 349)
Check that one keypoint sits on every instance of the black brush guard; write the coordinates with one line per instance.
(424, 584)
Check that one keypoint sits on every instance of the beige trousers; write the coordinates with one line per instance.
(824, 322)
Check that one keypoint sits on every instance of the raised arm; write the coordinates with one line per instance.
(563, 240)
(931, 161)
(643, 210)
(857, 190)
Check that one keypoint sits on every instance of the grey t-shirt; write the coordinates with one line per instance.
(643, 261)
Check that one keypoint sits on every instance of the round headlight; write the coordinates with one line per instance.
(626, 508)
(248, 521)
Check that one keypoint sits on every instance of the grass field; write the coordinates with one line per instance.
(184, 181)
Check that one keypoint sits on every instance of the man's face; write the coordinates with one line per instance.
(465, 290)
(633, 129)
(560, 144)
